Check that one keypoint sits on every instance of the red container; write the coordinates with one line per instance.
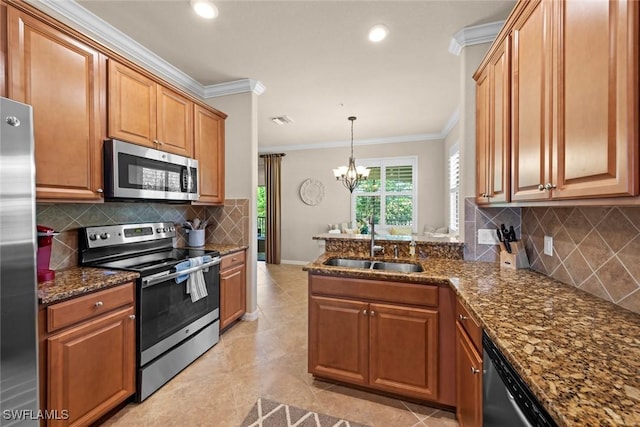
(45, 241)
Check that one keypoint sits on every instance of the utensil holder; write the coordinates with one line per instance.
(516, 259)
(195, 238)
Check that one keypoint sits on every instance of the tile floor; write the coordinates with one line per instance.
(267, 358)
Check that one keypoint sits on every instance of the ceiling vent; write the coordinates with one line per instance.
(281, 120)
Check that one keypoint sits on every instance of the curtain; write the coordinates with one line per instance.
(272, 173)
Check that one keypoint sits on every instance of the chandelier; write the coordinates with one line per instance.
(351, 175)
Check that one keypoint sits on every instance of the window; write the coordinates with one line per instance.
(454, 188)
(390, 192)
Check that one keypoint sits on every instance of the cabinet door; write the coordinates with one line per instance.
(596, 139)
(468, 381)
(132, 105)
(531, 80)
(91, 367)
(209, 151)
(339, 339)
(175, 122)
(499, 125)
(482, 137)
(64, 81)
(232, 294)
(404, 350)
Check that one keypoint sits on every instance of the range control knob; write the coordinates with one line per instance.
(172, 229)
(105, 236)
(93, 236)
(159, 230)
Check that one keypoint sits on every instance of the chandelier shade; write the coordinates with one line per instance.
(351, 175)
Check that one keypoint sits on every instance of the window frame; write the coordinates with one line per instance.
(383, 163)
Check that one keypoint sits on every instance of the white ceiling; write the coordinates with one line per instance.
(315, 61)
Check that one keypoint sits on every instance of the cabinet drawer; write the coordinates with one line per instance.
(469, 324)
(232, 260)
(82, 308)
(375, 290)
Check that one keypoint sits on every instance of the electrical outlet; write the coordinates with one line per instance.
(487, 236)
(548, 245)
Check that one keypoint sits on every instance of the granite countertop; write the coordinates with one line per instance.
(77, 281)
(223, 248)
(579, 354)
(434, 239)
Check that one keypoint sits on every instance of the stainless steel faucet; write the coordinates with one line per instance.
(374, 248)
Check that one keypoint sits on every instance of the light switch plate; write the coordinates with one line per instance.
(487, 236)
(548, 245)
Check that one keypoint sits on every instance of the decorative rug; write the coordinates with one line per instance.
(267, 413)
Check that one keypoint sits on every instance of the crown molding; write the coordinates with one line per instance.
(475, 34)
(232, 88)
(79, 18)
(448, 127)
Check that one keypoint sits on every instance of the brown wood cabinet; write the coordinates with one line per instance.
(381, 335)
(87, 354)
(144, 112)
(574, 83)
(233, 288)
(468, 369)
(64, 80)
(209, 151)
(493, 128)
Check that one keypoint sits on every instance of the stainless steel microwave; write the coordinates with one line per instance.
(137, 172)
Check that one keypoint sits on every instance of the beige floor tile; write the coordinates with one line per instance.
(267, 358)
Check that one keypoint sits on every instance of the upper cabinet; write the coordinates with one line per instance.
(146, 113)
(574, 100)
(209, 150)
(64, 80)
(492, 130)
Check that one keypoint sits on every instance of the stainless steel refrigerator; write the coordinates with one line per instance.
(18, 296)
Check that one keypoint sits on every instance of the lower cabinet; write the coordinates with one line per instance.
(87, 348)
(372, 342)
(468, 369)
(233, 288)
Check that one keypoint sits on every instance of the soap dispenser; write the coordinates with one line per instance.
(412, 247)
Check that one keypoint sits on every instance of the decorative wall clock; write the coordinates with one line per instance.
(311, 191)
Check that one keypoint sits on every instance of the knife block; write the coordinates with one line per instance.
(516, 259)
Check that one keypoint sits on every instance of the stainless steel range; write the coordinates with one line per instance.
(174, 327)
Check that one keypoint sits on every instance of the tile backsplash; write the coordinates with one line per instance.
(596, 249)
(227, 224)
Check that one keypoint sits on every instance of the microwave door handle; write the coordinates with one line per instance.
(163, 277)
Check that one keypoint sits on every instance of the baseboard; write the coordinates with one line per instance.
(250, 317)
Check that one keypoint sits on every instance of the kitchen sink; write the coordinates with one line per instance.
(351, 263)
(401, 267)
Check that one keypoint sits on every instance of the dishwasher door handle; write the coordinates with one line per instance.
(521, 414)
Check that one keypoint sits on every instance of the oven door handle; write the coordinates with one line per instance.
(167, 275)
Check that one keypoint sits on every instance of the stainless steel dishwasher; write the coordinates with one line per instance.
(507, 400)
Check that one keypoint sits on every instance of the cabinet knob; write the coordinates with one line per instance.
(364, 312)
(373, 313)
(99, 190)
(549, 186)
(474, 370)
(132, 316)
(99, 304)
(462, 317)
(155, 141)
(540, 187)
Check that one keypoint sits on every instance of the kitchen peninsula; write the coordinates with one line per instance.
(576, 352)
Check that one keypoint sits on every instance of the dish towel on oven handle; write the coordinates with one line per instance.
(195, 286)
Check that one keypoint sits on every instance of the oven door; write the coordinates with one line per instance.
(166, 314)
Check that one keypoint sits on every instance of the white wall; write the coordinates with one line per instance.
(241, 171)
(300, 221)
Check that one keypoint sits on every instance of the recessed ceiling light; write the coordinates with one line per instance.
(378, 33)
(281, 120)
(204, 8)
